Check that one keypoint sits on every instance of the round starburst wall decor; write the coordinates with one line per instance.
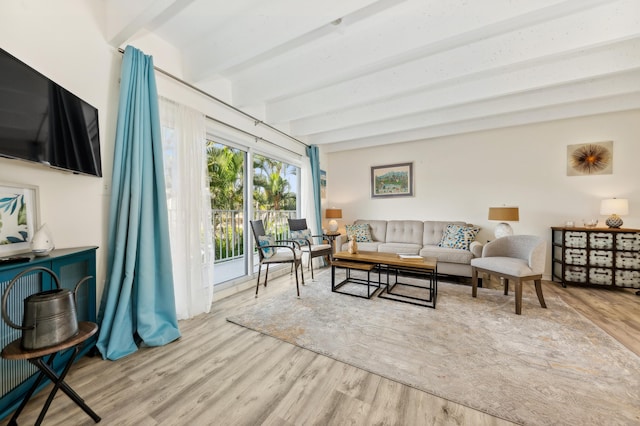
(590, 159)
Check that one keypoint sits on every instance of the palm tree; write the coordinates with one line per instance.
(226, 169)
(271, 186)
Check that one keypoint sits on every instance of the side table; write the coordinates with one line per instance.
(37, 357)
(331, 237)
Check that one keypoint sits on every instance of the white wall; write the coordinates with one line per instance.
(460, 177)
(64, 41)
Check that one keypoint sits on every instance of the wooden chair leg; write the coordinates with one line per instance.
(474, 282)
(505, 282)
(538, 284)
(518, 297)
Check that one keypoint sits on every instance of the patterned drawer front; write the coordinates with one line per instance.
(628, 279)
(576, 274)
(575, 256)
(600, 276)
(630, 241)
(601, 258)
(628, 260)
(601, 240)
(575, 239)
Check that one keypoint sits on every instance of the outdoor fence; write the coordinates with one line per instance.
(228, 228)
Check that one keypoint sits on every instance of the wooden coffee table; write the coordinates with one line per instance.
(421, 267)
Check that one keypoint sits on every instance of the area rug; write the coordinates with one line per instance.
(544, 367)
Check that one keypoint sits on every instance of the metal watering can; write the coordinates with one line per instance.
(49, 317)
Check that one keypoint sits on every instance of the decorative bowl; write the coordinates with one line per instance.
(592, 223)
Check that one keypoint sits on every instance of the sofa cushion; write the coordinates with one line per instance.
(360, 231)
(371, 246)
(405, 231)
(378, 228)
(403, 248)
(445, 254)
(434, 230)
(458, 237)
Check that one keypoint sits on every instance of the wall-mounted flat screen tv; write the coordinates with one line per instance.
(40, 121)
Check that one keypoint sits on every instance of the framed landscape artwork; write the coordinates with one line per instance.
(18, 217)
(394, 180)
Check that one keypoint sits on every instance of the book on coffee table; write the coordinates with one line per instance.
(410, 256)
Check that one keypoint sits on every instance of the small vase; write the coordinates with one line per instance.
(353, 246)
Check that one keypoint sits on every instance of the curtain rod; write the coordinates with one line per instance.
(228, 105)
(257, 138)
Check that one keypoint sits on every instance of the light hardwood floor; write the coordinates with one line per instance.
(219, 373)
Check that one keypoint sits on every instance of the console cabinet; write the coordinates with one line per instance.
(596, 256)
(70, 265)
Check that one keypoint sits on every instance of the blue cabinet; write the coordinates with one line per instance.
(70, 265)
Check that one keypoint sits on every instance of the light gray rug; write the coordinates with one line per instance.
(544, 367)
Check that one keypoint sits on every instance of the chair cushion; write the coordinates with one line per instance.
(317, 247)
(361, 231)
(267, 240)
(504, 265)
(458, 236)
(283, 255)
(302, 237)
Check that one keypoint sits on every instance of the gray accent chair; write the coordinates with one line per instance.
(515, 258)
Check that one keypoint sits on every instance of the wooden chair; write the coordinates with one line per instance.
(307, 245)
(285, 251)
(516, 258)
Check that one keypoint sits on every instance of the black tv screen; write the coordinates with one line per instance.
(40, 121)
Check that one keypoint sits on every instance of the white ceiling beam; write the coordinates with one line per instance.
(630, 101)
(584, 91)
(265, 27)
(572, 33)
(603, 62)
(126, 18)
(424, 28)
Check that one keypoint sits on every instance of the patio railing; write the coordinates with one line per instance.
(228, 226)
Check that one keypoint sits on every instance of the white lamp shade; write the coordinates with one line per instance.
(619, 206)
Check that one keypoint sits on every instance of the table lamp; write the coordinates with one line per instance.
(333, 214)
(614, 207)
(504, 215)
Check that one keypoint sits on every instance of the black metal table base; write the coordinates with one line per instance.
(58, 383)
(390, 292)
(372, 288)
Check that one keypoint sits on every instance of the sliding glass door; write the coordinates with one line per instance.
(227, 183)
(268, 189)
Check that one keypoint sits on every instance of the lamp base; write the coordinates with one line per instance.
(503, 229)
(333, 225)
(614, 221)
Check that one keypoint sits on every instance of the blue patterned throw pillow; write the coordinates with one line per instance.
(458, 236)
(360, 231)
(302, 237)
(267, 240)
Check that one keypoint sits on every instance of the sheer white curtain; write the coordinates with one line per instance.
(307, 206)
(189, 202)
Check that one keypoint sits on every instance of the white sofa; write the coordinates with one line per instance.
(417, 237)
